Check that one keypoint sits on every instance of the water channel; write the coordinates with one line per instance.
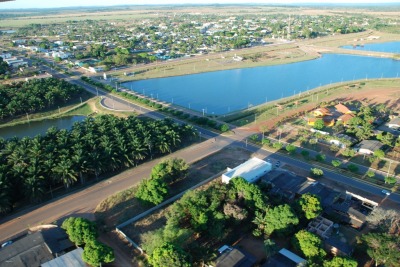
(225, 91)
(39, 127)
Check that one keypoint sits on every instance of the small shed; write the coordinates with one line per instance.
(251, 170)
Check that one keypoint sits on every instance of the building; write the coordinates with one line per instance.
(342, 109)
(392, 124)
(5, 55)
(73, 258)
(285, 258)
(321, 226)
(368, 146)
(251, 170)
(345, 118)
(96, 69)
(234, 257)
(321, 112)
(35, 249)
(15, 63)
(328, 121)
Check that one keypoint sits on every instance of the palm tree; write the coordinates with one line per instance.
(65, 171)
(34, 184)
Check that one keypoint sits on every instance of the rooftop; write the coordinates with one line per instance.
(249, 170)
(235, 258)
(73, 258)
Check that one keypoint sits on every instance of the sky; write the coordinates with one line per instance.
(18, 4)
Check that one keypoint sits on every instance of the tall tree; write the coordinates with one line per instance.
(80, 230)
(310, 205)
(277, 218)
(169, 255)
(382, 248)
(310, 244)
(95, 253)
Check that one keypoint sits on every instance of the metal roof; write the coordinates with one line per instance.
(73, 258)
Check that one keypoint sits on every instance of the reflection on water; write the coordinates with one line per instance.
(39, 127)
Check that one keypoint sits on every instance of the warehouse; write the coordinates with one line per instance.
(251, 170)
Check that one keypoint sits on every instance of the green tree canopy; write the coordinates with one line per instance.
(382, 248)
(80, 230)
(169, 255)
(310, 244)
(340, 262)
(310, 205)
(291, 148)
(319, 124)
(152, 190)
(277, 218)
(379, 153)
(390, 180)
(96, 253)
(170, 170)
(316, 172)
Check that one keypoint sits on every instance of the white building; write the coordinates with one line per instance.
(96, 69)
(61, 55)
(5, 55)
(15, 63)
(251, 170)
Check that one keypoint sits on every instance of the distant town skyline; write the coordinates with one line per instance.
(19, 4)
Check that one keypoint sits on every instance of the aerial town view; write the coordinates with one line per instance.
(205, 133)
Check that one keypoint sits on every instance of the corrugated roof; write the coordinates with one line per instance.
(73, 258)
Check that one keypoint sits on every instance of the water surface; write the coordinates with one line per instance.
(224, 91)
(39, 127)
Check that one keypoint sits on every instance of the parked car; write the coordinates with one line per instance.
(5, 244)
(278, 163)
(386, 192)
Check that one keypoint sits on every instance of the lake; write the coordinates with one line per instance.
(225, 91)
(390, 47)
(39, 127)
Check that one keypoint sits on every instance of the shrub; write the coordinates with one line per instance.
(316, 172)
(336, 163)
(277, 146)
(320, 157)
(352, 168)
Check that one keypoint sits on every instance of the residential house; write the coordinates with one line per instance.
(321, 226)
(342, 109)
(321, 112)
(36, 249)
(15, 63)
(72, 258)
(234, 257)
(251, 170)
(345, 118)
(368, 146)
(5, 55)
(394, 123)
(337, 247)
(328, 121)
(285, 258)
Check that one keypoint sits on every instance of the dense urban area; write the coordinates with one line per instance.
(121, 177)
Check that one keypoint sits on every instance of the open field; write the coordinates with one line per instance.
(127, 13)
